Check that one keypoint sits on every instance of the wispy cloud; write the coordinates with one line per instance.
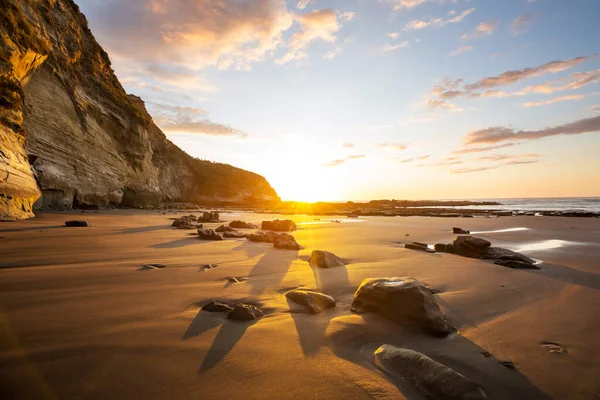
(407, 160)
(347, 16)
(481, 30)
(482, 149)
(500, 157)
(395, 146)
(393, 35)
(400, 4)
(349, 145)
(439, 22)
(521, 23)
(501, 134)
(487, 168)
(554, 100)
(394, 47)
(460, 50)
(340, 161)
(302, 4)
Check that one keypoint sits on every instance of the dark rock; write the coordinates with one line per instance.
(419, 246)
(242, 225)
(147, 267)
(507, 364)
(186, 222)
(286, 242)
(267, 237)
(207, 267)
(468, 246)
(211, 216)
(235, 235)
(324, 259)
(405, 301)
(498, 253)
(244, 312)
(224, 228)
(208, 234)
(76, 224)
(460, 231)
(314, 301)
(217, 306)
(234, 279)
(432, 379)
(516, 264)
(440, 247)
(286, 225)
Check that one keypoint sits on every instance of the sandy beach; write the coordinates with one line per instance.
(80, 320)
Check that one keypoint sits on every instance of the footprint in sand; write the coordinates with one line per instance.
(207, 267)
(555, 348)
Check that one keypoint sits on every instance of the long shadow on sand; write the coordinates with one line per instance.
(33, 228)
(568, 275)
(356, 341)
(190, 241)
(253, 249)
(275, 263)
(143, 229)
(311, 328)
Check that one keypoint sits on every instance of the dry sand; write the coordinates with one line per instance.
(79, 320)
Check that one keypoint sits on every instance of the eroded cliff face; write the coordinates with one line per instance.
(71, 137)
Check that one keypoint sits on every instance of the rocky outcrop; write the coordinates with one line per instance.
(278, 225)
(71, 137)
(242, 225)
(430, 378)
(405, 301)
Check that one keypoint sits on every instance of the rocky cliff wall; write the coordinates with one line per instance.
(71, 137)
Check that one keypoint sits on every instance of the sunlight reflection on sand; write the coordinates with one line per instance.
(502, 230)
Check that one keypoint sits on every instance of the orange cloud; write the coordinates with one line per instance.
(554, 100)
(481, 30)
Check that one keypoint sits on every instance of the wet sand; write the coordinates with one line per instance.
(80, 320)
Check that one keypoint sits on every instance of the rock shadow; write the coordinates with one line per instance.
(274, 264)
(143, 229)
(189, 241)
(229, 334)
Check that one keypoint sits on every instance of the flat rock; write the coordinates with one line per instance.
(224, 228)
(324, 259)
(498, 253)
(516, 264)
(286, 242)
(405, 301)
(277, 225)
(468, 246)
(208, 234)
(440, 247)
(217, 306)
(242, 225)
(314, 301)
(266, 237)
(419, 246)
(435, 381)
(149, 267)
(244, 312)
(235, 235)
(80, 224)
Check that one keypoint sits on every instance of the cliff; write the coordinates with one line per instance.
(71, 137)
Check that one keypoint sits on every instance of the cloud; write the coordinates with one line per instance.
(460, 50)
(349, 145)
(500, 157)
(314, 25)
(393, 35)
(595, 108)
(487, 168)
(189, 120)
(437, 103)
(554, 100)
(400, 4)
(389, 47)
(420, 24)
(407, 160)
(395, 146)
(483, 149)
(347, 16)
(301, 5)
(340, 161)
(333, 53)
(521, 23)
(501, 134)
(481, 30)
(574, 81)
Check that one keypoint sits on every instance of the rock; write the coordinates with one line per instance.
(430, 378)
(211, 216)
(216, 306)
(224, 228)
(76, 223)
(207, 267)
(314, 301)
(244, 312)
(324, 259)
(516, 264)
(186, 222)
(235, 235)
(419, 246)
(208, 234)
(279, 225)
(146, 267)
(460, 231)
(440, 247)
(267, 237)
(468, 246)
(242, 225)
(405, 301)
(286, 242)
(234, 279)
(498, 253)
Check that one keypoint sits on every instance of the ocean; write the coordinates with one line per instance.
(589, 204)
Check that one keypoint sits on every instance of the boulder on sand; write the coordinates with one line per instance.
(286, 242)
(211, 216)
(516, 264)
(244, 312)
(267, 237)
(186, 222)
(208, 234)
(235, 235)
(405, 301)
(430, 378)
(79, 224)
(314, 301)
(419, 246)
(216, 306)
(286, 225)
(440, 247)
(498, 253)
(242, 225)
(460, 231)
(468, 246)
(224, 228)
(324, 259)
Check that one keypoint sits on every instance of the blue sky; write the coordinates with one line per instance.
(357, 99)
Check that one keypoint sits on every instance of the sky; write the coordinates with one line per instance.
(371, 99)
